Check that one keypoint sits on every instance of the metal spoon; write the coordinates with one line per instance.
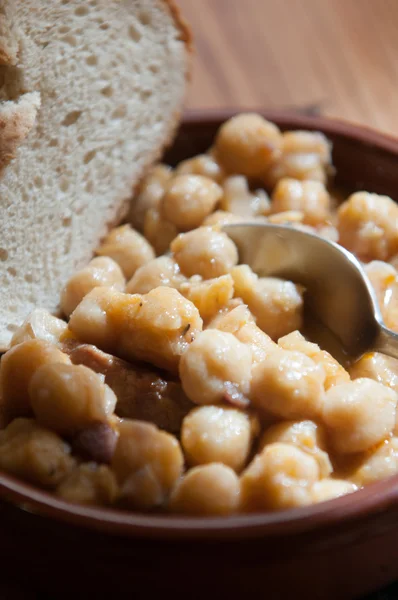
(338, 290)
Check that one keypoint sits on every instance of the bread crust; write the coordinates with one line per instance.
(186, 31)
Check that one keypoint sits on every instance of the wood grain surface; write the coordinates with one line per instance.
(335, 57)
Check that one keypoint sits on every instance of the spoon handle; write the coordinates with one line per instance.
(387, 342)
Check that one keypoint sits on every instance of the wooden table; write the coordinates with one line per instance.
(337, 57)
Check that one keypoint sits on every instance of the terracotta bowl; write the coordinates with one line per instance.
(340, 549)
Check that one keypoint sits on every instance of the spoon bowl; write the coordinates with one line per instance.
(338, 291)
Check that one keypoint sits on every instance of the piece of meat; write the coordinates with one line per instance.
(142, 393)
(97, 443)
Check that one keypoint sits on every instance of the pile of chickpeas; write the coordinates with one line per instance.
(274, 421)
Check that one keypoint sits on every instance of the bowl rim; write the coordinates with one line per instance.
(361, 504)
(284, 118)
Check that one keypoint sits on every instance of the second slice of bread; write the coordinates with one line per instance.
(92, 95)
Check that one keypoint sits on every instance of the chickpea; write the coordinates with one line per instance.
(216, 368)
(280, 477)
(147, 463)
(35, 454)
(384, 279)
(232, 319)
(217, 434)
(259, 342)
(219, 318)
(128, 248)
(309, 197)
(159, 232)
(294, 219)
(96, 320)
(101, 271)
(40, 325)
(304, 155)
(240, 322)
(160, 271)
(240, 201)
(380, 463)
(209, 296)
(149, 194)
(165, 324)
(69, 398)
(143, 489)
(211, 489)
(306, 435)
(17, 368)
(288, 385)
(359, 414)
(335, 373)
(89, 484)
(295, 341)
(204, 252)
(288, 217)
(189, 199)
(202, 164)
(327, 489)
(156, 327)
(276, 304)
(368, 226)
(304, 142)
(329, 232)
(379, 367)
(247, 144)
(219, 218)
(382, 276)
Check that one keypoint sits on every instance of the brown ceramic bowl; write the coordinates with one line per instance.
(340, 549)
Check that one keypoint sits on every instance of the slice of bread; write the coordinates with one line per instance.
(91, 92)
